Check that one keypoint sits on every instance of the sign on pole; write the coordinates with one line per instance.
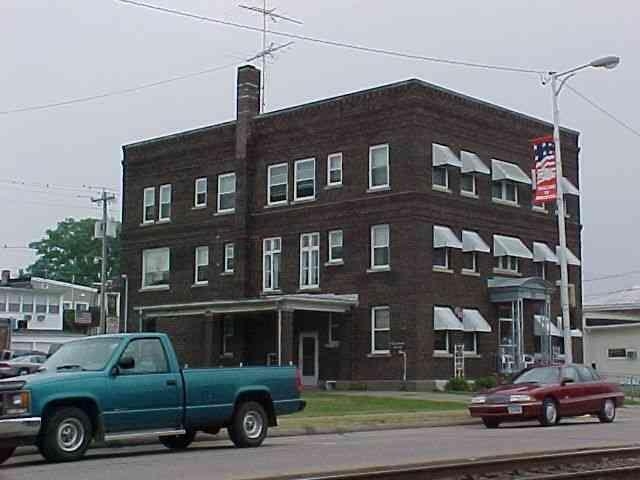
(544, 171)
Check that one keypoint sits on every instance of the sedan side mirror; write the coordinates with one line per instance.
(126, 363)
(567, 380)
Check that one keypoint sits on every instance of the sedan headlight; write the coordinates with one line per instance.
(478, 399)
(521, 398)
(16, 403)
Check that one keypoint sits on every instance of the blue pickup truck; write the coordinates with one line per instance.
(118, 387)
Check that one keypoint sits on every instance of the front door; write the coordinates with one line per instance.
(308, 358)
(147, 396)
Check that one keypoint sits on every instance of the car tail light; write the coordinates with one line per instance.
(299, 380)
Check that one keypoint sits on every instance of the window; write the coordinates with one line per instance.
(380, 246)
(378, 167)
(380, 329)
(334, 170)
(570, 372)
(14, 303)
(614, 353)
(272, 250)
(278, 181)
(67, 306)
(470, 342)
(227, 335)
(3, 302)
(310, 260)
(441, 341)
(41, 305)
(508, 264)
(229, 255)
(470, 262)
(305, 173)
(442, 257)
(200, 198)
(334, 329)
(149, 207)
(440, 177)
(506, 191)
(148, 356)
(335, 246)
(226, 192)
(82, 307)
(468, 183)
(165, 202)
(54, 305)
(155, 267)
(27, 303)
(541, 270)
(202, 265)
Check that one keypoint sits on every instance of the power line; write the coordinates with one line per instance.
(53, 186)
(599, 294)
(602, 110)
(333, 43)
(615, 275)
(15, 247)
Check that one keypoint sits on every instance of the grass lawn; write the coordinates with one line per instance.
(320, 404)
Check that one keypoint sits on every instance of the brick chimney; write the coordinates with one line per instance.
(247, 108)
(6, 275)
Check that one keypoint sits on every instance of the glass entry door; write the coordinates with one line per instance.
(308, 358)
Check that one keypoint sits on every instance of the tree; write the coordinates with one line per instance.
(70, 253)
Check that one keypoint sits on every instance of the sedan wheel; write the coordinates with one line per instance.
(549, 414)
(608, 412)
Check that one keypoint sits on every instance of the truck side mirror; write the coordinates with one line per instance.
(126, 363)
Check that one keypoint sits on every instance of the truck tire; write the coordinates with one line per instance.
(179, 442)
(66, 435)
(5, 453)
(249, 425)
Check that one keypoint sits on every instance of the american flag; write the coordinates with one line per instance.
(544, 155)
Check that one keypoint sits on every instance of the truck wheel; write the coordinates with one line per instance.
(249, 425)
(5, 453)
(66, 435)
(178, 442)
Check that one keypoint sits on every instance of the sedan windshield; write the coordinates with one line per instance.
(92, 354)
(544, 375)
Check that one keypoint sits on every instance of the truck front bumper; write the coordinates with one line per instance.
(19, 430)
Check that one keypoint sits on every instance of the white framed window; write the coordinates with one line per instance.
(271, 253)
(617, 353)
(165, 203)
(380, 251)
(155, 268)
(277, 184)
(508, 264)
(441, 341)
(227, 334)
(380, 329)
(334, 170)
(334, 338)
(335, 246)
(149, 205)
(53, 305)
(200, 196)
(468, 184)
(505, 191)
(541, 270)
(229, 257)
(82, 307)
(440, 177)
(442, 257)
(201, 265)
(470, 262)
(226, 192)
(305, 179)
(471, 342)
(27, 303)
(310, 260)
(379, 167)
(41, 304)
(67, 306)
(14, 303)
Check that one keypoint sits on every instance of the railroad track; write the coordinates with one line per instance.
(619, 463)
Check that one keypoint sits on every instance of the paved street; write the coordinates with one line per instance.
(315, 453)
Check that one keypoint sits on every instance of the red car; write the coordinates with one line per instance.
(547, 394)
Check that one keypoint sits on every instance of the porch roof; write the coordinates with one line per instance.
(504, 289)
(322, 302)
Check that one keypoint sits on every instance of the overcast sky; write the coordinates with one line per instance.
(53, 51)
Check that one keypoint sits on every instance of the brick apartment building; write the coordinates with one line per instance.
(327, 233)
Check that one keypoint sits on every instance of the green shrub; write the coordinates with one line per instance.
(457, 384)
(484, 383)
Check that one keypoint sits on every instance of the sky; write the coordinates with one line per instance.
(54, 51)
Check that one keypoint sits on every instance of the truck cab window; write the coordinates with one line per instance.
(148, 355)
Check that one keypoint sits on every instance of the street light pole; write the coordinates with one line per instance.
(604, 62)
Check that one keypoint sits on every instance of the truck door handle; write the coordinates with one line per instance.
(172, 383)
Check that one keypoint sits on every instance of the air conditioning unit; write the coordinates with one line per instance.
(41, 318)
(632, 354)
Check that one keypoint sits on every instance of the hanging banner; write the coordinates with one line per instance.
(544, 172)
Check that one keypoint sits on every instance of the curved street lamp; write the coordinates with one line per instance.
(607, 62)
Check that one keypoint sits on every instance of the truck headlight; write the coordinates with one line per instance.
(478, 399)
(521, 398)
(16, 403)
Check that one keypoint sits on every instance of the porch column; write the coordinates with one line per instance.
(212, 339)
(284, 319)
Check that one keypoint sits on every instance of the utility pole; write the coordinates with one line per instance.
(267, 50)
(104, 199)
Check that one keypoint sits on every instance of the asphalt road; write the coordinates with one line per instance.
(318, 453)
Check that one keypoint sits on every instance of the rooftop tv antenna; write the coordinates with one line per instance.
(267, 50)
